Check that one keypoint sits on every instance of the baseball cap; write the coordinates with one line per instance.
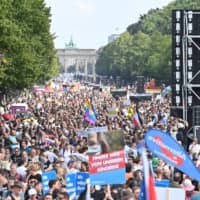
(32, 191)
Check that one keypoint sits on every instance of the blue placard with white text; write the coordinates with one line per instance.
(76, 184)
(71, 185)
(81, 178)
(46, 177)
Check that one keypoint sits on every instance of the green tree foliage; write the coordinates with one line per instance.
(147, 52)
(27, 42)
(115, 57)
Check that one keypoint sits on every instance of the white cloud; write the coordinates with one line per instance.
(84, 7)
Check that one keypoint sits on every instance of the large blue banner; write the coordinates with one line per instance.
(169, 150)
(46, 177)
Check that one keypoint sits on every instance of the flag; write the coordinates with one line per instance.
(112, 112)
(147, 188)
(137, 119)
(131, 111)
(166, 90)
(89, 112)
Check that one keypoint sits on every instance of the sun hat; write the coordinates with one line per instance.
(187, 185)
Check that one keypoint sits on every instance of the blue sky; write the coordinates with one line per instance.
(90, 22)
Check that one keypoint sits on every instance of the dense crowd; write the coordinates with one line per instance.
(45, 137)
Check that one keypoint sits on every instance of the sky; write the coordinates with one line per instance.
(90, 22)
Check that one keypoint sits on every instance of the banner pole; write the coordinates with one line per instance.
(88, 189)
(168, 194)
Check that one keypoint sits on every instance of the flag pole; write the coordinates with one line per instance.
(88, 189)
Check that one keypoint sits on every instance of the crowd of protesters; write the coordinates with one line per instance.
(45, 137)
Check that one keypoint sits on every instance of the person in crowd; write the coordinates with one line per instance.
(127, 194)
(61, 172)
(63, 196)
(177, 179)
(48, 196)
(16, 192)
(39, 190)
(136, 192)
(13, 173)
(13, 140)
(194, 148)
(54, 188)
(32, 193)
(189, 188)
(22, 168)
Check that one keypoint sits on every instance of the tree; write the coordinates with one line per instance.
(25, 34)
(148, 53)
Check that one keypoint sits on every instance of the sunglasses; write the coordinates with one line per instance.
(31, 182)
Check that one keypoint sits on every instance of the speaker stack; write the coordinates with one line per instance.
(186, 65)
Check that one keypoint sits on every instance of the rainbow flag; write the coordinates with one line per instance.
(89, 112)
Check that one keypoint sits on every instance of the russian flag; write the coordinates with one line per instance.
(147, 189)
(136, 119)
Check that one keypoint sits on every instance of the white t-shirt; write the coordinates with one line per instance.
(194, 148)
(22, 171)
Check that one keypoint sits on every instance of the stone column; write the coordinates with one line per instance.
(86, 69)
(93, 70)
(77, 67)
(66, 65)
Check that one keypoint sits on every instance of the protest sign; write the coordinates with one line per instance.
(99, 129)
(46, 177)
(81, 178)
(162, 183)
(83, 133)
(18, 107)
(108, 168)
(169, 150)
(112, 112)
(71, 185)
(106, 158)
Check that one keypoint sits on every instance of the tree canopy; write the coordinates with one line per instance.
(26, 43)
(145, 48)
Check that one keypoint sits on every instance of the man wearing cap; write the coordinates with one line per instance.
(16, 193)
(32, 193)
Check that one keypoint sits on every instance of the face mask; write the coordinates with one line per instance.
(95, 149)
